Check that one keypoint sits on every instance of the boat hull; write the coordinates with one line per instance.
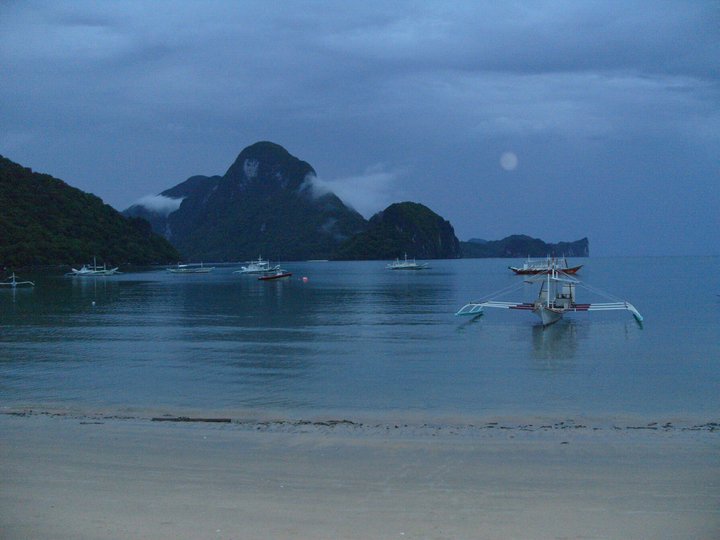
(250, 271)
(406, 264)
(190, 270)
(547, 315)
(275, 276)
(94, 273)
(535, 271)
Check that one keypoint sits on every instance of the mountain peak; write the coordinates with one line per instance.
(258, 206)
(266, 162)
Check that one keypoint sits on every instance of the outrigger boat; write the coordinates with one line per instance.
(13, 283)
(556, 297)
(93, 270)
(542, 266)
(406, 264)
(190, 269)
(257, 267)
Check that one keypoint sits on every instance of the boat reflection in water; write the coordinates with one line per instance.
(556, 346)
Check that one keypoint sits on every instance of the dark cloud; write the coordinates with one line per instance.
(612, 108)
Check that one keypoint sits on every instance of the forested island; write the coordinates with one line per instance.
(520, 245)
(265, 204)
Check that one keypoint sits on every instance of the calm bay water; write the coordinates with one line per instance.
(357, 339)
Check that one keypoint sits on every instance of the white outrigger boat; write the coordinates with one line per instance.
(257, 267)
(543, 266)
(406, 264)
(556, 297)
(93, 270)
(190, 269)
(14, 283)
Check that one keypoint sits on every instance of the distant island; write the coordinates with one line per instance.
(44, 221)
(266, 204)
(523, 246)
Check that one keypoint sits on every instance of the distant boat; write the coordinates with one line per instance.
(13, 283)
(279, 274)
(406, 264)
(93, 270)
(190, 269)
(542, 266)
(556, 297)
(259, 266)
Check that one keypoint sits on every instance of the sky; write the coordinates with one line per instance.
(555, 119)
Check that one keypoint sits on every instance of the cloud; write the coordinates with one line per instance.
(581, 92)
(159, 203)
(367, 193)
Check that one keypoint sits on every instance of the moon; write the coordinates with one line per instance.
(509, 161)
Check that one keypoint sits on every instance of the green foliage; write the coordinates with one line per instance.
(403, 228)
(44, 221)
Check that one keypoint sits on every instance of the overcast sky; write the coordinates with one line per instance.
(554, 119)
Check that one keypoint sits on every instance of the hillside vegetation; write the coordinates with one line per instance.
(45, 221)
(265, 204)
(403, 228)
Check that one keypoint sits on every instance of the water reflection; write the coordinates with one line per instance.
(254, 339)
(13, 293)
(93, 290)
(555, 346)
(353, 335)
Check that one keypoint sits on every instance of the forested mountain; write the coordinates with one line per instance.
(43, 220)
(265, 204)
(403, 228)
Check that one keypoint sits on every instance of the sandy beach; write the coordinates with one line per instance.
(68, 477)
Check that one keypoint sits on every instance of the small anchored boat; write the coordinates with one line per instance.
(259, 266)
(406, 264)
(542, 266)
(93, 270)
(14, 283)
(279, 274)
(190, 269)
(556, 297)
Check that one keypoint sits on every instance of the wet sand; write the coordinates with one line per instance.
(64, 477)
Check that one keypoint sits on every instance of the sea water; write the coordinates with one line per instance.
(353, 339)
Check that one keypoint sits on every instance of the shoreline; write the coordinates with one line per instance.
(411, 424)
(100, 477)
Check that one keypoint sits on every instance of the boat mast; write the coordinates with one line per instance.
(547, 296)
